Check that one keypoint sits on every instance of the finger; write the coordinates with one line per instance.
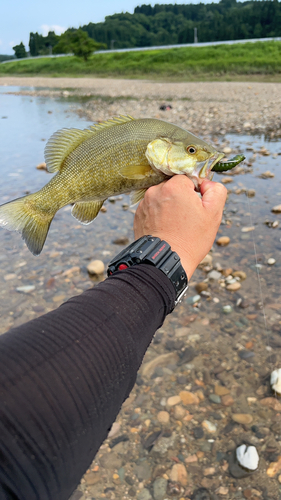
(213, 194)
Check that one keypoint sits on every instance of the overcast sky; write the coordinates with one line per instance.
(19, 17)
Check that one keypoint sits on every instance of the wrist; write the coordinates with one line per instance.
(155, 252)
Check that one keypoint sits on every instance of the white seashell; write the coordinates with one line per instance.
(247, 457)
(275, 380)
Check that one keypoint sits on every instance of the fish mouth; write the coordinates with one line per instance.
(205, 170)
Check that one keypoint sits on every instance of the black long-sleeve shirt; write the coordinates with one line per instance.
(64, 377)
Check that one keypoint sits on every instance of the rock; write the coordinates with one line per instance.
(220, 390)
(193, 300)
(209, 426)
(209, 471)
(233, 287)
(227, 150)
(191, 459)
(274, 468)
(92, 478)
(276, 209)
(202, 494)
(41, 166)
(247, 457)
(226, 180)
(164, 443)
(223, 241)
(183, 331)
(247, 125)
(144, 495)
(159, 488)
(164, 359)
(10, 276)
(179, 412)
(25, 289)
(251, 193)
(198, 433)
(115, 429)
(222, 490)
(122, 240)
(188, 398)
(96, 267)
(179, 474)
(173, 400)
(163, 417)
(227, 400)
(267, 175)
(201, 287)
(227, 309)
(271, 261)
(214, 275)
(214, 398)
(245, 354)
(242, 418)
(248, 229)
(275, 381)
(208, 260)
(239, 274)
(272, 403)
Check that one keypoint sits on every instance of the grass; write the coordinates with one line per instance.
(259, 60)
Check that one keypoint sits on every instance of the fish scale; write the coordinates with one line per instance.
(121, 155)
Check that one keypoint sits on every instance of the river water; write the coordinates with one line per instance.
(253, 324)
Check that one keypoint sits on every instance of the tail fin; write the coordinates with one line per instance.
(23, 216)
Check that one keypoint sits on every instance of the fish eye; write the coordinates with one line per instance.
(191, 149)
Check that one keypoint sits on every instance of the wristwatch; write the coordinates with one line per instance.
(151, 250)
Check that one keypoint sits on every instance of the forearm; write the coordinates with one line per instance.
(65, 376)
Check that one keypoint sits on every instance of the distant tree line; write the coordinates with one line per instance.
(174, 24)
(164, 25)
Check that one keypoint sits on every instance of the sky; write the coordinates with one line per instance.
(19, 18)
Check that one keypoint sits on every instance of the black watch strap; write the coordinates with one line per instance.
(151, 250)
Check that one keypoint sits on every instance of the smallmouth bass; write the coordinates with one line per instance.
(118, 156)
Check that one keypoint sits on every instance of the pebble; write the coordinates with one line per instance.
(159, 488)
(163, 360)
(242, 418)
(223, 241)
(251, 193)
(214, 398)
(209, 471)
(227, 400)
(233, 287)
(208, 260)
(96, 267)
(193, 300)
(115, 429)
(122, 240)
(41, 166)
(179, 412)
(272, 403)
(214, 275)
(267, 175)
(220, 390)
(275, 381)
(248, 229)
(274, 468)
(227, 150)
(163, 417)
(25, 289)
(188, 398)
(202, 494)
(10, 276)
(144, 495)
(227, 309)
(226, 180)
(222, 490)
(271, 261)
(209, 426)
(240, 274)
(179, 474)
(247, 457)
(173, 400)
(191, 459)
(201, 287)
(276, 209)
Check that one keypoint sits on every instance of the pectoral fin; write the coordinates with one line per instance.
(86, 212)
(137, 196)
(136, 171)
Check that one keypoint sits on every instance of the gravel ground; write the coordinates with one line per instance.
(216, 107)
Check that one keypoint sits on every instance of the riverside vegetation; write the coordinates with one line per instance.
(259, 60)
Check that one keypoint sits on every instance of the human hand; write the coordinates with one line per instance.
(175, 213)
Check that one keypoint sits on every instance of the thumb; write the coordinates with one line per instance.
(213, 195)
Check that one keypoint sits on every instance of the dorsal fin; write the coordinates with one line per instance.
(64, 141)
(117, 120)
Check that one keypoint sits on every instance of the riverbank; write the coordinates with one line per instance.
(203, 107)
